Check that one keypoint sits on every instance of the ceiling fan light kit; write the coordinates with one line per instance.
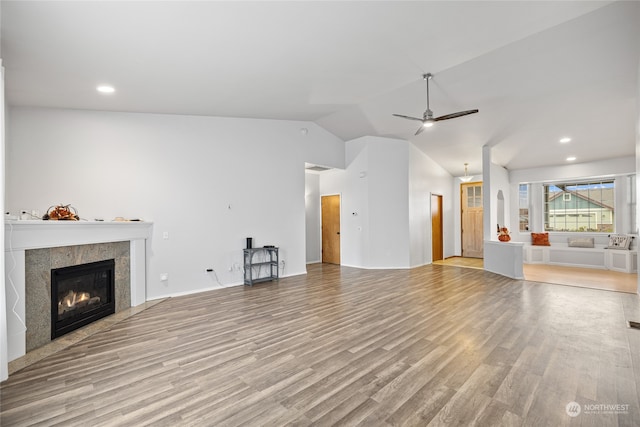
(427, 117)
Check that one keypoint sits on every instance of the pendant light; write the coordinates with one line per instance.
(466, 177)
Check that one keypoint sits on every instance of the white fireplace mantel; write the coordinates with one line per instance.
(20, 236)
(23, 235)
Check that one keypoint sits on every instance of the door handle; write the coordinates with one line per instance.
(337, 232)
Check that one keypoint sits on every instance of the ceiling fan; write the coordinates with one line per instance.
(427, 118)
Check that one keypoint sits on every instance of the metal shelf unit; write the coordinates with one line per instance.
(260, 265)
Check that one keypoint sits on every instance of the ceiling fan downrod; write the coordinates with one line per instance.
(427, 77)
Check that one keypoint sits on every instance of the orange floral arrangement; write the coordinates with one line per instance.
(503, 234)
(61, 212)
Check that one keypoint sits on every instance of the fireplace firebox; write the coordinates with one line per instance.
(81, 294)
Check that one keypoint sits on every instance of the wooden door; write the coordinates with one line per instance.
(471, 215)
(331, 229)
(437, 251)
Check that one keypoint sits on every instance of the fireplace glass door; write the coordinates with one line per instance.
(81, 294)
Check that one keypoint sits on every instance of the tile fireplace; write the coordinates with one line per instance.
(34, 248)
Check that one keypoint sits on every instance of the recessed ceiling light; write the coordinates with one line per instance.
(571, 158)
(105, 89)
(565, 140)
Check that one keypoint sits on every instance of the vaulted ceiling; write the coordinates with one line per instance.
(537, 71)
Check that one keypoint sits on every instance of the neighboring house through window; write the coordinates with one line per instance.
(580, 206)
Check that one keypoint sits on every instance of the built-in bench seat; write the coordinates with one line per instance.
(625, 261)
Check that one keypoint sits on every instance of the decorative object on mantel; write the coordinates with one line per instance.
(503, 234)
(123, 219)
(619, 241)
(62, 212)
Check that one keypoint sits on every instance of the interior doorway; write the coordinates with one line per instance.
(330, 229)
(471, 218)
(437, 246)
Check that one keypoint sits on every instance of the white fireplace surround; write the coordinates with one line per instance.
(24, 235)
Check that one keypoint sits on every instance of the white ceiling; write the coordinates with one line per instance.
(537, 71)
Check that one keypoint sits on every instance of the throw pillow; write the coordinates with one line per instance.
(580, 242)
(540, 239)
(619, 241)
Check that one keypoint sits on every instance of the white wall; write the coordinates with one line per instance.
(504, 258)
(499, 184)
(499, 257)
(374, 229)
(637, 159)
(209, 182)
(618, 166)
(4, 357)
(313, 233)
(385, 194)
(426, 177)
(353, 187)
(388, 179)
(496, 179)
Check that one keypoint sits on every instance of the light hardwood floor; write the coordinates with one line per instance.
(582, 277)
(435, 345)
(458, 261)
(571, 276)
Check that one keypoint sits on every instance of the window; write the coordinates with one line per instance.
(523, 205)
(579, 206)
(474, 196)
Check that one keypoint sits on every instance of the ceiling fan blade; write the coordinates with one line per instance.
(419, 131)
(407, 117)
(454, 115)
